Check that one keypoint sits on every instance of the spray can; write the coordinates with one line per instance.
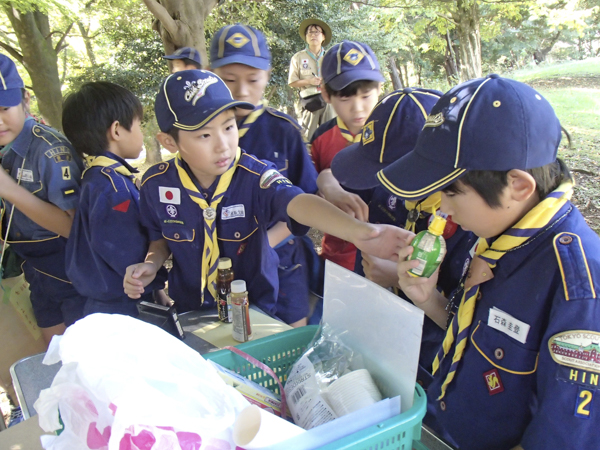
(429, 247)
(242, 330)
(224, 279)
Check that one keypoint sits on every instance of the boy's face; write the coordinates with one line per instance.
(210, 150)
(247, 84)
(354, 110)
(11, 122)
(131, 142)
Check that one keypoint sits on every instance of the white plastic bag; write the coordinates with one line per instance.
(128, 385)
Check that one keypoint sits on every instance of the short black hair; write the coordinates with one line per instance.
(191, 62)
(174, 133)
(89, 113)
(352, 88)
(489, 184)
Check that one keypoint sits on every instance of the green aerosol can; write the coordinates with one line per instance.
(429, 247)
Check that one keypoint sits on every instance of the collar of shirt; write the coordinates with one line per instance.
(206, 193)
(121, 161)
(22, 143)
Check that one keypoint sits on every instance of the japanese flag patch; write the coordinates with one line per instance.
(169, 195)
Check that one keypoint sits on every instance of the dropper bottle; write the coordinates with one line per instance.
(429, 247)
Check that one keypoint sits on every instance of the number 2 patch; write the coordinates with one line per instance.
(66, 173)
(583, 404)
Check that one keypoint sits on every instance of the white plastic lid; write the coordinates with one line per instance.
(238, 286)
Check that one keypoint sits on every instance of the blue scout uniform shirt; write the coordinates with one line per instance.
(276, 137)
(249, 206)
(107, 235)
(530, 372)
(51, 171)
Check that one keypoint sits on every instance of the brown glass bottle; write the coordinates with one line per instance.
(224, 279)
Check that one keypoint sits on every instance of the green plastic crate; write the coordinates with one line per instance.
(280, 352)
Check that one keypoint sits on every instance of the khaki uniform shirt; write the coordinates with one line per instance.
(302, 67)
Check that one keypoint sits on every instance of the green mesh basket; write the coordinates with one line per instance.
(281, 350)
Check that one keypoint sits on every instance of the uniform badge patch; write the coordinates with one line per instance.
(169, 195)
(25, 175)
(196, 89)
(241, 248)
(122, 207)
(434, 120)
(590, 380)
(391, 203)
(272, 176)
(583, 404)
(66, 172)
(493, 382)
(353, 57)
(171, 210)
(368, 133)
(238, 40)
(576, 348)
(305, 63)
(233, 212)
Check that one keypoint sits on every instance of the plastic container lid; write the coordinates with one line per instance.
(224, 263)
(437, 225)
(238, 286)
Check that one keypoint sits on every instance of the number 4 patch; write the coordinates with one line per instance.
(583, 405)
(66, 173)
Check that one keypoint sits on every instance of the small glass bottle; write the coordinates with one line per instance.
(224, 279)
(429, 247)
(242, 330)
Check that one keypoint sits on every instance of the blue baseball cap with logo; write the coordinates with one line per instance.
(348, 62)
(490, 123)
(190, 99)
(241, 44)
(185, 52)
(11, 84)
(389, 133)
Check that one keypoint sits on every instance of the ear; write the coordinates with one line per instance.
(113, 132)
(27, 100)
(167, 141)
(325, 95)
(521, 184)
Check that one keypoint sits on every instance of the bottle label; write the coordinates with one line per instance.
(240, 322)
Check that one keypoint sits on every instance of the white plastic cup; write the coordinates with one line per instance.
(256, 428)
(353, 391)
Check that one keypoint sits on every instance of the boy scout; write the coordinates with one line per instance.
(39, 187)
(240, 56)
(184, 58)
(518, 367)
(215, 200)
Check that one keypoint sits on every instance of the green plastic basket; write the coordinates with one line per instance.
(280, 351)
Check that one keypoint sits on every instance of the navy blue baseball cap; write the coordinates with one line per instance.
(490, 123)
(185, 52)
(348, 62)
(389, 133)
(10, 83)
(240, 44)
(190, 99)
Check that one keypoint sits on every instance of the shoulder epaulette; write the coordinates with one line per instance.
(251, 164)
(574, 269)
(155, 170)
(49, 135)
(284, 116)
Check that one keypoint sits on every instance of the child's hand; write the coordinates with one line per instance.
(383, 241)
(350, 203)
(137, 277)
(418, 289)
(380, 271)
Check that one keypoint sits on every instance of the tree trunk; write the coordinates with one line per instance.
(394, 75)
(466, 17)
(180, 23)
(153, 155)
(540, 54)
(89, 48)
(450, 62)
(40, 60)
(406, 79)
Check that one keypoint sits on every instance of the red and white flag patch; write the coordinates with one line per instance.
(169, 195)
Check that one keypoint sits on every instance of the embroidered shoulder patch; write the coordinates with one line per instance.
(272, 176)
(59, 154)
(576, 348)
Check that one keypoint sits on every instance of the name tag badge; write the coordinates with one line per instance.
(233, 212)
(25, 175)
(507, 324)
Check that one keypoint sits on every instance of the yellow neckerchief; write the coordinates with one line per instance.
(105, 161)
(251, 118)
(210, 252)
(346, 133)
(480, 271)
(429, 205)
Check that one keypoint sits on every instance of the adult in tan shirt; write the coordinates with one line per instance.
(305, 72)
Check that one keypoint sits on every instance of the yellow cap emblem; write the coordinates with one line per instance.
(434, 120)
(353, 57)
(238, 40)
(368, 134)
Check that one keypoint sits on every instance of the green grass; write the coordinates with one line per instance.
(587, 67)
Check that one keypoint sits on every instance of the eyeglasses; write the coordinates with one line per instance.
(314, 32)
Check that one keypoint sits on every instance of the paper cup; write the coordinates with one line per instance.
(353, 391)
(256, 428)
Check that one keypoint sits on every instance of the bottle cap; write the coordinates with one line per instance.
(238, 286)
(224, 263)
(437, 225)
